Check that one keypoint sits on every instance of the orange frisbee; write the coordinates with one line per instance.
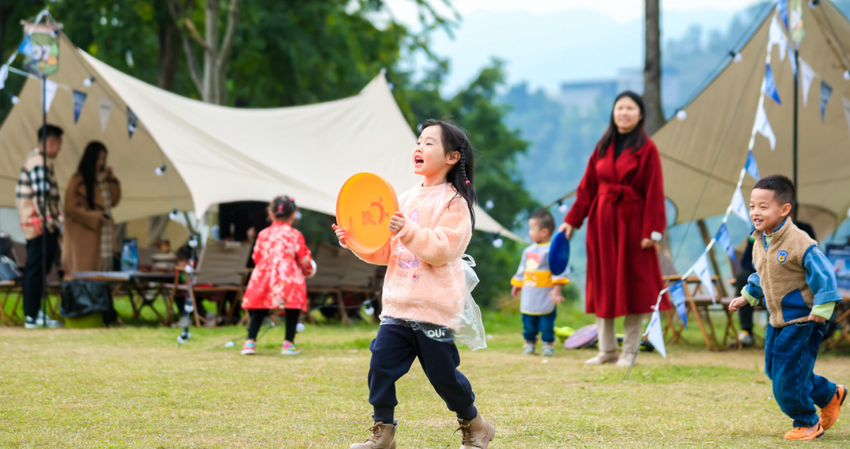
(364, 207)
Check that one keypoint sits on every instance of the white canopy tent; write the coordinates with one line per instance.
(213, 154)
(703, 154)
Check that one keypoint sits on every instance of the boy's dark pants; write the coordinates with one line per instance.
(544, 324)
(789, 360)
(393, 351)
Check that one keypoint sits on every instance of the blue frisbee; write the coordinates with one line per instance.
(559, 254)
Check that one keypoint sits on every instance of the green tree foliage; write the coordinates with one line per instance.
(497, 178)
(289, 53)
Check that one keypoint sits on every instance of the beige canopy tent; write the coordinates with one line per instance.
(703, 154)
(212, 154)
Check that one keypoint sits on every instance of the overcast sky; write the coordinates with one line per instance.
(542, 47)
(620, 10)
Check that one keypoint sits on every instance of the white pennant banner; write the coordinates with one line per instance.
(655, 334)
(4, 73)
(700, 268)
(50, 93)
(763, 126)
(777, 37)
(739, 207)
(105, 112)
(807, 75)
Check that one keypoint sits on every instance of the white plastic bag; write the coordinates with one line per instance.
(471, 331)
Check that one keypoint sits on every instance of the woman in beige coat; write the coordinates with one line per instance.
(89, 241)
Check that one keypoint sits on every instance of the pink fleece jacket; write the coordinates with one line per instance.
(425, 279)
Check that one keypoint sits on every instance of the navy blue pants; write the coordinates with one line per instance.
(393, 351)
(789, 361)
(544, 324)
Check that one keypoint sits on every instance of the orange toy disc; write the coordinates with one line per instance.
(364, 207)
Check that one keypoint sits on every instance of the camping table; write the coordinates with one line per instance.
(700, 302)
(142, 284)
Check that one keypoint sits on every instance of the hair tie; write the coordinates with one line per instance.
(292, 199)
(280, 207)
(467, 182)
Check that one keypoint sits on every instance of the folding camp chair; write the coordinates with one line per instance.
(8, 288)
(221, 270)
(347, 279)
(843, 322)
(700, 306)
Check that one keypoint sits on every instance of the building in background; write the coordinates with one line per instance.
(585, 96)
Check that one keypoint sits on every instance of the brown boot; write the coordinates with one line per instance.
(477, 434)
(383, 437)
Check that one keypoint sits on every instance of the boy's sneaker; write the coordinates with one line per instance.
(829, 414)
(528, 349)
(548, 350)
(746, 339)
(289, 349)
(249, 348)
(33, 323)
(805, 433)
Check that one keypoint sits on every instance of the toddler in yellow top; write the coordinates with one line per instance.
(541, 291)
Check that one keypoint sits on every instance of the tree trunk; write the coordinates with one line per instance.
(169, 53)
(169, 57)
(652, 68)
(211, 25)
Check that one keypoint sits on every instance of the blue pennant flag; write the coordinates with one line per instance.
(79, 100)
(825, 93)
(770, 85)
(25, 47)
(677, 292)
(752, 167)
(783, 12)
(725, 241)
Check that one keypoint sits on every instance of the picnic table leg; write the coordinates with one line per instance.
(14, 315)
(3, 308)
(169, 304)
(237, 302)
(842, 329)
(711, 331)
(701, 325)
(195, 307)
(343, 312)
(136, 308)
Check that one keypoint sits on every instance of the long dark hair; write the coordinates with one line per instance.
(636, 138)
(88, 168)
(462, 174)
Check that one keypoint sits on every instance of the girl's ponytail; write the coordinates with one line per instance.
(462, 175)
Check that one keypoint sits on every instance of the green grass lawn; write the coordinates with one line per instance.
(134, 387)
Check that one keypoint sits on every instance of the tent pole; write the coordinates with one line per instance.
(796, 87)
(45, 198)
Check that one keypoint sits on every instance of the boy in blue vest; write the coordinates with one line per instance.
(541, 291)
(797, 283)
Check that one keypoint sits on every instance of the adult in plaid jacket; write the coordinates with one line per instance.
(32, 182)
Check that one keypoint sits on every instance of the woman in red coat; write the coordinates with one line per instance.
(622, 197)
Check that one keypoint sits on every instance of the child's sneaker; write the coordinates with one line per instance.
(249, 348)
(528, 349)
(289, 349)
(829, 414)
(746, 339)
(548, 350)
(805, 433)
(34, 323)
